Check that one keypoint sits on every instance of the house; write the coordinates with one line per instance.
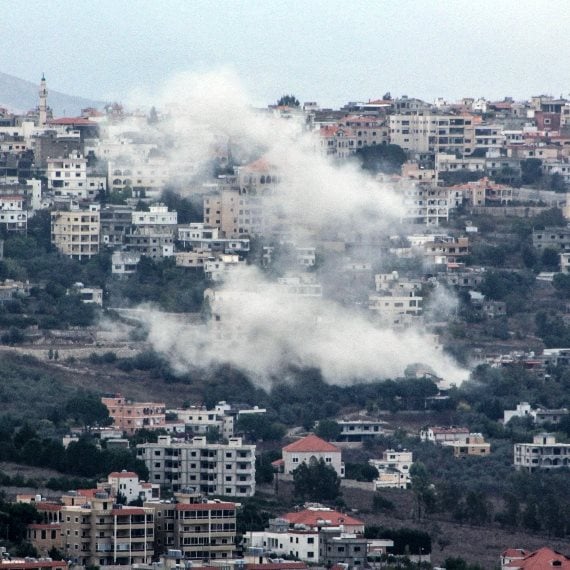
(441, 434)
(542, 559)
(359, 429)
(510, 555)
(312, 449)
(75, 233)
(127, 484)
(473, 445)
(538, 416)
(130, 416)
(542, 453)
(393, 469)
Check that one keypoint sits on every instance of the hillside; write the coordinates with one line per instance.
(19, 95)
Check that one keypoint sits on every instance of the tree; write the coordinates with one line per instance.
(288, 101)
(386, 158)
(316, 481)
(422, 488)
(531, 170)
(550, 259)
(328, 429)
(88, 409)
(556, 183)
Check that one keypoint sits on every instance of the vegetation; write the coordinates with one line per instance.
(316, 481)
(382, 158)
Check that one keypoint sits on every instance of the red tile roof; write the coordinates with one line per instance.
(129, 511)
(80, 121)
(542, 559)
(204, 506)
(43, 506)
(514, 553)
(123, 474)
(260, 165)
(315, 518)
(310, 444)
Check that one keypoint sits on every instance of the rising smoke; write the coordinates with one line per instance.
(261, 328)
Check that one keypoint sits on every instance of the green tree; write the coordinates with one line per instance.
(288, 101)
(382, 158)
(328, 429)
(423, 489)
(316, 481)
(531, 170)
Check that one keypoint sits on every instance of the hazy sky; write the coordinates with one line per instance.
(329, 51)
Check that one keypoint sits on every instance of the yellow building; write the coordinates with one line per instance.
(75, 233)
(473, 445)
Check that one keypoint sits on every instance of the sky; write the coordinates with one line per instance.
(329, 51)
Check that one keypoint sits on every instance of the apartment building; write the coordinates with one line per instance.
(152, 233)
(367, 129)
(397, 310)
(115, 221)
(428, 205)
(124, 262)
(199, 236)
(147, 178)
(13, 215)
(442, 250)
(216, 267)
(393, 469)
(129, 416)
(426, 132)
(309, 449)
(211, 469)
(543, 453)
(485, 192)
(75, 233)
(68, 176)
(359, 429)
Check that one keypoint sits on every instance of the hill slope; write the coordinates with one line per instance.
(19, 95)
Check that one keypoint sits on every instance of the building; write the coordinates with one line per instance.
(67, 177)
(359, 429)
(442, 434)
(127, 484)
(75, 233)
(396, 310)
(542, 559)
(311, 449)
(216, 267)
(542, 453)
(209, 468)
(473, 445)
(538, 416)
(115, 221)
(13, 215)
(124, 262)
(557, 238)
(152, 233)
(393, 469)
(195, 528)
(130, 416)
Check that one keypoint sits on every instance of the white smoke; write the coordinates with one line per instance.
(262, 329)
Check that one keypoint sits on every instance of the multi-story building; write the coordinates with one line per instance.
(473, 445)
(198, 236)
(145, 178)
(75, 233)
(368, 130)
(13, 215)
(396, 310)
(442, 250)
(130, 416)
(312, 448)
(393, 469)
(542, 453)
(538, 415)
(429, 133)
(124, 262)
(152, 233)
(67, 177)
(115, 221)
(209, 468)
(216, 267)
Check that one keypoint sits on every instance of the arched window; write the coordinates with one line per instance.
(268, 179)
(262, 180)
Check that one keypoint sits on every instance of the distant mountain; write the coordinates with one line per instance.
(19, 95)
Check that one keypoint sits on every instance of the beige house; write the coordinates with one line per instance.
(474, 445)
(312, 449)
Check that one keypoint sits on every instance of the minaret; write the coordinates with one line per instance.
(43, 103)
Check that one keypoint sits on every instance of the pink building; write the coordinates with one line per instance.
(129, 416)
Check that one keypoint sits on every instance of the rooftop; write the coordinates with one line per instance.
(309, 444)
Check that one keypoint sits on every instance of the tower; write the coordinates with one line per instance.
(43, 102)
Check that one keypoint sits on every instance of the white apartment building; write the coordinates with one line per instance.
(146, 178)
(542, 453)
(152, 233)
(200, 420)
(211, 469)
(198, 236)
(305, 285)
(13, 215)
(396, 310)
(67, 177)
(392, 283)
(393, 469)
(158, 215)
(282, 541)
(128, 484)
(429, 205)
(432, 133)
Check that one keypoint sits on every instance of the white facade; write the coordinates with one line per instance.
(13, 216)
(217, 267)
(67, 177)
(302, 544)
(158, 215)
(394, 469)
(129, 486)
(210, 468)
(124, 262)
(312, 449)
(542, 453)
